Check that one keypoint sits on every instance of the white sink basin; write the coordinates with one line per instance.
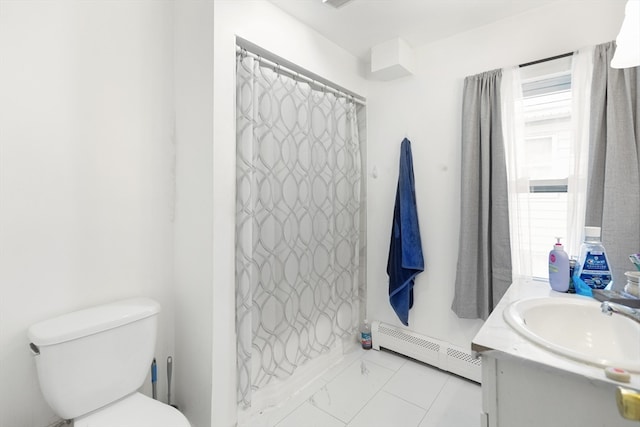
(576, 328)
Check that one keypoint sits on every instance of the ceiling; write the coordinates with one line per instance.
(361, 24)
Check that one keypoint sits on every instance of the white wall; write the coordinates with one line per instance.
(263, 24)
(193, 22)
(86, 181)
(87, 168)
(426, 107)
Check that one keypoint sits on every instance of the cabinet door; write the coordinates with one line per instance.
(526, 394)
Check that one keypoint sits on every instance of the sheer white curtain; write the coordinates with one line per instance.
(517, 172)
(524, 214)
(581, 72)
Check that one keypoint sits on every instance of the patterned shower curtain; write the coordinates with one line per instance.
(297, 223)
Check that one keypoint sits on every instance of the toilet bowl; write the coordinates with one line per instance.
(92, 362)
(136, 410)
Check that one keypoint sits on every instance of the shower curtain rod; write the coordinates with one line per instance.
(300, 75)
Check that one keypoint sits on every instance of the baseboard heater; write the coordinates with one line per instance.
(429, 350)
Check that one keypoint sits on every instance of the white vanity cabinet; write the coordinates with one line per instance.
(518, 393)
(524, 385)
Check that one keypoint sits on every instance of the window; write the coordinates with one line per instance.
(545, 160)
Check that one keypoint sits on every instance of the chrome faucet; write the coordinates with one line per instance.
(609, 308)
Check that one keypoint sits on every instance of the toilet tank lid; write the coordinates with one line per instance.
(91, 321)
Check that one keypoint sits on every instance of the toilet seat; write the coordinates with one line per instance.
(135, 410)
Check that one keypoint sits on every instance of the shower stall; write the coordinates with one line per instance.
(300, 222)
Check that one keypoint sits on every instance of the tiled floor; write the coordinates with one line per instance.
(380, 389)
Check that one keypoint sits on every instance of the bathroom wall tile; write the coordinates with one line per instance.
(417, 383)
(308, 415)
(458, 405)
(385, 409)
(345, 395)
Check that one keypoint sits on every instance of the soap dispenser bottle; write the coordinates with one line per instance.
(559, 268)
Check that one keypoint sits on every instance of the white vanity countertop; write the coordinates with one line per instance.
(497, 335)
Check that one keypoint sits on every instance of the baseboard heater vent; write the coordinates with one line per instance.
(429, 350)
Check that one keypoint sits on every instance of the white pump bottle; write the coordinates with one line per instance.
(559, 268)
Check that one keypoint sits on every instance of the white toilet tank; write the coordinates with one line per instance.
(90, 358)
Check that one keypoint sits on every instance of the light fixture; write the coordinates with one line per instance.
(628, 41)
(335, 3)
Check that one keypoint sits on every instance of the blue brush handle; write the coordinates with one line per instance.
(154, 379)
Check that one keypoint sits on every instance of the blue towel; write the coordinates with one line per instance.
(405, 251)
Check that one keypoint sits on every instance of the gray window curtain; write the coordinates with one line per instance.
(613, 195)
(484, 255)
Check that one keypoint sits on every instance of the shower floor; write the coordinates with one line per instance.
(379, 389)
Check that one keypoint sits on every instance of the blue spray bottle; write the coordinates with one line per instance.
(593, 265)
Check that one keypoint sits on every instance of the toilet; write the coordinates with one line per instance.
(91, 363)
